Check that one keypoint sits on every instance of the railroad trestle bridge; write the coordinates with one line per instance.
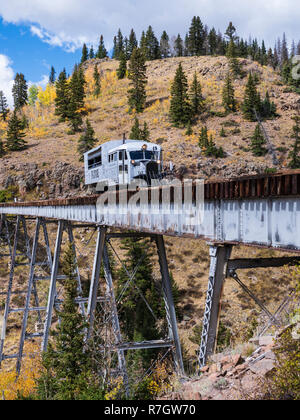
(259, 211)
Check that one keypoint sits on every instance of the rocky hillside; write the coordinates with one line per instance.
(49, 145)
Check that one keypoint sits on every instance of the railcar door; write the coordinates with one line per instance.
(123, 167)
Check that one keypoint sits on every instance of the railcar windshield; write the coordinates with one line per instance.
(142, 155)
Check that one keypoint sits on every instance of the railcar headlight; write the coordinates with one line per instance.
(158, 162)
(133, 162)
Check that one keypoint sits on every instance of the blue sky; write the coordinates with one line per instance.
(35, 34)
(30, 55)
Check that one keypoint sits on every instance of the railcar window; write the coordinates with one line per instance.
(142, 154)
(94, 162)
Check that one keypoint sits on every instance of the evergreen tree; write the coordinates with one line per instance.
(145, 133)
(294, 155)
(3, 106)
(85, 54)
(196, 37)
(15, 134)
(180, 109)
(138, 80)
(165, 45)
(223, 132)
(203, 138)
(91, 53)
(97, 81)
(66, 363)
(196, 98)
(52, 77)
(178, 46)
(76, 100)
(228, 97)
(118, 45)
(62, 96)
(87, 140)
(252, 100)
(137, 133)
(101, 52)
(231, 32)
(19, 91)
(212, 41)
(122, 69)
(234, 63)
(132, 43)
(152, 49)
(257, 142)
(143, 45)
(135, 130)
(2, 151)
(268, 108)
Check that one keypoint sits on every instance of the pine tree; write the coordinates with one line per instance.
(294, 155)
(132, 43)
(15, 134)
(76, 99)
(196, 98)
(85, 54)
(2, 151)
(62, 96)
(3, 106)
(91, 53)
(231, 31)
(87, 140)
(178, 46)
(122, 69)
(268, 108)
(228, 97)
(135, 130)
(203, 138)
(145, 133)
(96, 77)
(101, 53)
(252, 100)
(223, 132)
(19, 91)
(52, 77)
(165, 45)
(196, 37)
(180, 109)
(257, 142)
(138, 80)
(67, 361)
(213, 41)
(152, 49)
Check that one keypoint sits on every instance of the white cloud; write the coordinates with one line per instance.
(6, 78)
(69, 23)
(43, 82)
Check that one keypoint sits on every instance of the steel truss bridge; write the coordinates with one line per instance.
(259, 211)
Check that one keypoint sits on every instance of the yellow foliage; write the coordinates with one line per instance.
(12, 386)
(160, 382)
(46, 97)
(116, 386)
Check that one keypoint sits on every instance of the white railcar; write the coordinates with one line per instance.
(121, 161)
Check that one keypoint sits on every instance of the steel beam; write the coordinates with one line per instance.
(219, 256)
(92, 302)
(52, 289)
(169, 303)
